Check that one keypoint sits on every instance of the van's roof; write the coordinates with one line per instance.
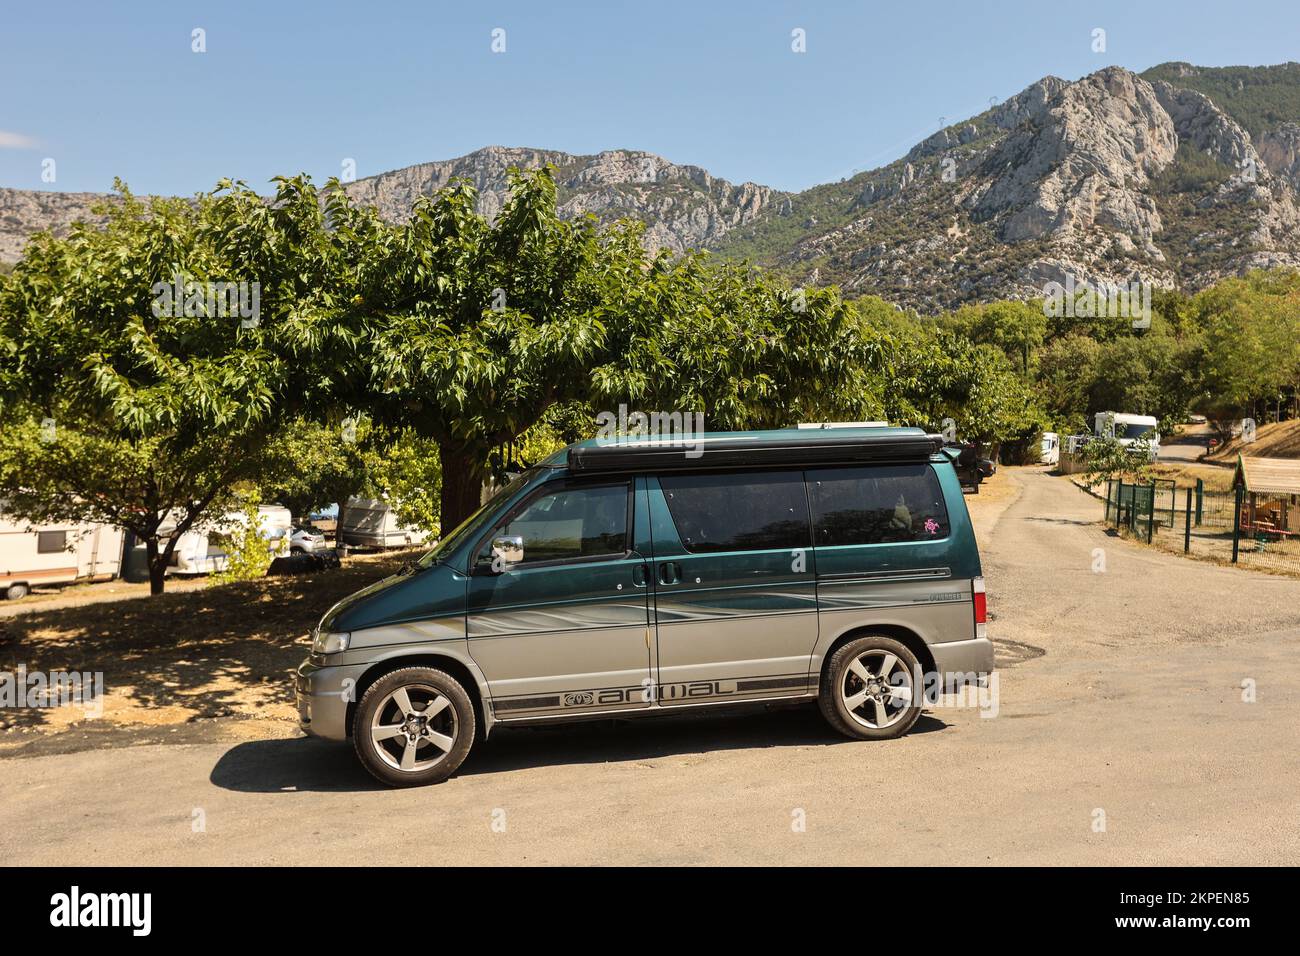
(782, 446)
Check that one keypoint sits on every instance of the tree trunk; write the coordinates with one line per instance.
(157, 565)
(462, 483)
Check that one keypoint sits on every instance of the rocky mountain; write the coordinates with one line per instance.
(683, 206)
(1178, 176)
(25, 211)
(1113, 178)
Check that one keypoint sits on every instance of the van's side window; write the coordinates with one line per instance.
(569, 523)
(742, 511)
(877, 505)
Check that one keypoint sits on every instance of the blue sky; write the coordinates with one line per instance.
(113, 89)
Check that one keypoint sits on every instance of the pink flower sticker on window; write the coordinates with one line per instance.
(931, 526)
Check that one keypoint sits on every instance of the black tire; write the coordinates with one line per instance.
(831, 702)
(17, 591)
(423, 684)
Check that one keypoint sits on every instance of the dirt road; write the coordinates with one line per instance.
(1121, 737)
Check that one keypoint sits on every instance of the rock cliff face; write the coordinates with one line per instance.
(25, 211)
(1179, 176)
(1280, 150)
(682, 206)
(1112, 178)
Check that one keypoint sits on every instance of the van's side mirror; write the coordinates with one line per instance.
(507, 549)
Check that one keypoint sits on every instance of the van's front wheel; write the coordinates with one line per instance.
(871, 690)
(414, 727)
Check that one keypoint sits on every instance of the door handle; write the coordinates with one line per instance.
(670, 572)
(639, 575)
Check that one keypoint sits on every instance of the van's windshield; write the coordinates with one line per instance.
(447, 543)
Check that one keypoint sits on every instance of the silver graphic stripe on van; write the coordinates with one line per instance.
(843, 595)
(560, 617)
(665, 694)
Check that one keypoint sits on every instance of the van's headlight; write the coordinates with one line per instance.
(330, 642)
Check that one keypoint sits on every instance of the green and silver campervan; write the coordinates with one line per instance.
(640, 577)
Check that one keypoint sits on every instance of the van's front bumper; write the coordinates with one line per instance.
(963, 662)
(323, 695)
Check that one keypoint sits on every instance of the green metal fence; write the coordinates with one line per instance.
(1199, 521)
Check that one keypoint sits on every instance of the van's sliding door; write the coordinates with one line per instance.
(735, 605)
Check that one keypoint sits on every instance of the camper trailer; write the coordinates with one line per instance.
(55, 554)
(1129, 429)
(372, 523)
(202, 550)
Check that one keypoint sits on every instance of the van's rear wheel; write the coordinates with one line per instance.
(414, 727)
(16, 591)
(873, 689)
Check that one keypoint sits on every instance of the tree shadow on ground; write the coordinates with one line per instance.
(214, 651)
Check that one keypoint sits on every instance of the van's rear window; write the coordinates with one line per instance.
(876, 505)
(742, 511)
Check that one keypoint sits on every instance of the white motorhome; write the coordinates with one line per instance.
(201, 550)
(56, 554)
(1050, 449)
(373, 523)
(1129, 429)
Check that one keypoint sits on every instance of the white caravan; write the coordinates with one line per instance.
(372, 523)
(202, 551)
(1128, 429)
(56, 554)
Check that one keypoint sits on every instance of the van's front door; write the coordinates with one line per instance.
(566, 630)
(735, 602)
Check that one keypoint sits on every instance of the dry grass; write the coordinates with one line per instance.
(1186, 473)
(222, 653)
(1274, 440)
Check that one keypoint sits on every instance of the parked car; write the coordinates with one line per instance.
(617, 579)
(55, 553)
(307, 541)
(971, 468)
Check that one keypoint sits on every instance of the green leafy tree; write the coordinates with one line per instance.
(310, 465)
(159, 404)
(1107, 459)
(469, 330)
(744, 350)
(1016, 328)
(1250, 341)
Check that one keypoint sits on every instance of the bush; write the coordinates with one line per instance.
(248, 554)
